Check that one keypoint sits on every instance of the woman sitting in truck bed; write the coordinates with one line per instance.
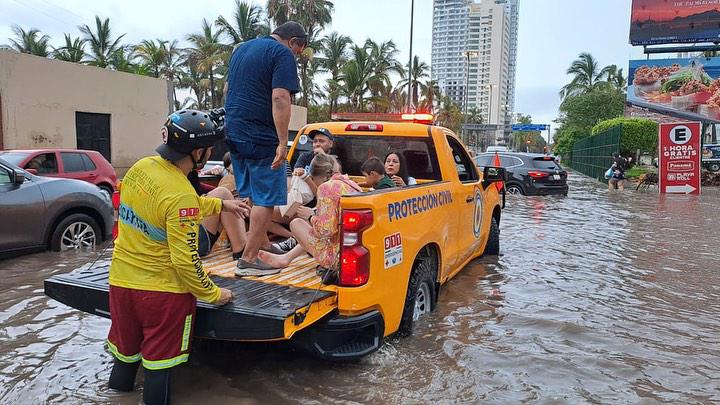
(317, 231)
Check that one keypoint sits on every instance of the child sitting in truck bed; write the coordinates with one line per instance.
(374, 171)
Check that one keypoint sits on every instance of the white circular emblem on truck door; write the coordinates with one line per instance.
(478, 214)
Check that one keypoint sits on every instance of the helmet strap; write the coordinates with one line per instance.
(197, 164)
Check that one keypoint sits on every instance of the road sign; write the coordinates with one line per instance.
(679, 161)
(530, 127)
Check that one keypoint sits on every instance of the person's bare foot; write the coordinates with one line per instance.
(277, 261)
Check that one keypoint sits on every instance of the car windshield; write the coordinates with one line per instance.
(14, 157)
(546, 162)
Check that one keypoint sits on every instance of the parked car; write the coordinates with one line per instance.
(529, 173)
(87, 165)
(44, 212)
(711, 157)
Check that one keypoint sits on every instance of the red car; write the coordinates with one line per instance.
(79, 164)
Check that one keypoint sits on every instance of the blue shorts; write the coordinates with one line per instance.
(255, 179)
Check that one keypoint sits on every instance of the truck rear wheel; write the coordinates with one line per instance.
(420, 298)
(493, 244)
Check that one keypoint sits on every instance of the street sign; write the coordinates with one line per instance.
(530, 127)
(679, 161)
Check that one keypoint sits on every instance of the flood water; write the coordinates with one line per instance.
(596, 298)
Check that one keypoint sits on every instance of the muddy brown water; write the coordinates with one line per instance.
(596, 298)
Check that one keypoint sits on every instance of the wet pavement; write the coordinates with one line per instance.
(596, 298)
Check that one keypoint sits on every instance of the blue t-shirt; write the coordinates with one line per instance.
(256, 68)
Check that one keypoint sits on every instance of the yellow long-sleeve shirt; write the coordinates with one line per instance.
(159, 216)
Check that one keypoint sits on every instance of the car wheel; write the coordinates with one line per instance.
(420, 298)
(76, 231)
(714, 167)
(514, 190)
(493, 244)
(107, 191)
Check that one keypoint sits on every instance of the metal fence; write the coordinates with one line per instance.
(592, 156)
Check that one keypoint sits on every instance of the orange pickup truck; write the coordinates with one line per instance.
(399, 247)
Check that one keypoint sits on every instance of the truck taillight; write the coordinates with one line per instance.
(354, 258)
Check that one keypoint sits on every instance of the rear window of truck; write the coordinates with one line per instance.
(353, 150)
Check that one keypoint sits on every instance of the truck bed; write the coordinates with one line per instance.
(264, 308)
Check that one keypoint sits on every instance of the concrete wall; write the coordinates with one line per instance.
(40, 97)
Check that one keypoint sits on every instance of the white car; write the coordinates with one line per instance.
(497, 148)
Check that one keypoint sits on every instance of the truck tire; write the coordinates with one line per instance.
(75, 231)
(493, 244)
(420, 298)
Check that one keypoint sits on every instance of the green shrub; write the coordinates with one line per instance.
(638, 133)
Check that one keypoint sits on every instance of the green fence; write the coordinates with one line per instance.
(592, 156)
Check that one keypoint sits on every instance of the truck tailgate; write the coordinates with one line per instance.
(264, 308)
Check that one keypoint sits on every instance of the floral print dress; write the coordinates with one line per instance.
(325, 234)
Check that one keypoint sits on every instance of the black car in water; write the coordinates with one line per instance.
(529, 173)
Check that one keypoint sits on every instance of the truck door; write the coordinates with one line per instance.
(467, 200)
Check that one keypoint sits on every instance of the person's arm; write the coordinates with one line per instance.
(209, 206)
(182, 217)
(281, 118)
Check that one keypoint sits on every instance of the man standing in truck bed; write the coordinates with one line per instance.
(261, 78)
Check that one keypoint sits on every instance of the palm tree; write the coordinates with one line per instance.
(102, 46)
(334, 55)
(431, 94)
(614, 77)
(587, 76)
(190, 78)
(383, 57)
(172, 64)
(247, 20)
(73, 51)
(152, 54)
(474, 116)
(356, 77)
(29, 42)
(123, 60)
(419, 71)
(206, 54)
(449, 114)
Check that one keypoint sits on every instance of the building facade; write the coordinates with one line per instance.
(46, 103)
(480, 72)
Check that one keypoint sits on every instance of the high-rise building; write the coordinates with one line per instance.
(475, 46)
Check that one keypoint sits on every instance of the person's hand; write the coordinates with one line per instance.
(238, 207)
(299, 172)
(304, 212)
(318, 151)
(280, 155)
(398, 181)
(225, 296)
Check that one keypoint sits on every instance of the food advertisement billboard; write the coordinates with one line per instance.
(687, 88)
(674, 21)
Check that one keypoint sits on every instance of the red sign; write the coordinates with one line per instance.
(393, 240)
(679, 161)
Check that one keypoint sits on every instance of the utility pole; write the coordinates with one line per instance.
(410, 64)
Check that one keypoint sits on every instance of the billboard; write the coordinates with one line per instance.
(674, 21)
(684, 88)
(679, 163)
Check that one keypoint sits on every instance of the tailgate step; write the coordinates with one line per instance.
(258, 312)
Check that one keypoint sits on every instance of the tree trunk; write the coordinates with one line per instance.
(212, 88)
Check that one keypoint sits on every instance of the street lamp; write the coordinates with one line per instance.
(410, 64)
(489, 86)
(466, 97)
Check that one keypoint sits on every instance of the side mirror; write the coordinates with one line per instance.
(17, 177)
(493, 175)
(32, 171)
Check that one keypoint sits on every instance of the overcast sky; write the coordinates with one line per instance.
(552, 32)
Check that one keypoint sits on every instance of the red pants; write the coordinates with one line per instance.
(155, 327)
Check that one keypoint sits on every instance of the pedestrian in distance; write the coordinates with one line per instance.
(262, 77)
(156, 273)
(618, 168)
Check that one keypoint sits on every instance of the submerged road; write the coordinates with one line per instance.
(596, 298)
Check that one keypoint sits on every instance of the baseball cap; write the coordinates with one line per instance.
(321, 131)
(290, 29)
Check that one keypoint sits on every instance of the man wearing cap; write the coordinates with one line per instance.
(261, 79)
(322, 141)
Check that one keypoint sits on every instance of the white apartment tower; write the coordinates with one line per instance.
(475, 44)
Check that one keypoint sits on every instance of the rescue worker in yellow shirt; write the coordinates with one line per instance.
(156, 273)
